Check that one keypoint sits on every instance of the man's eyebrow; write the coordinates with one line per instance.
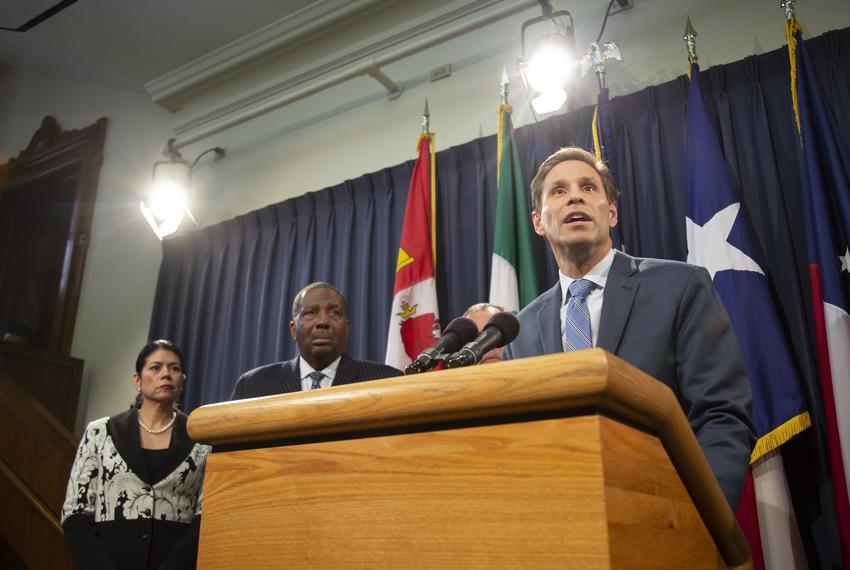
(582, 181)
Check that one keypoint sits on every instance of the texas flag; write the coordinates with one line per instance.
(719, 239)
(826, 200)
(415, 320)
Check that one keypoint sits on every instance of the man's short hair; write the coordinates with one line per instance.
(483, 307)
(297, 303)
(572, 153)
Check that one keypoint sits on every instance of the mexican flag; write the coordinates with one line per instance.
(415, 320)
(513, 276)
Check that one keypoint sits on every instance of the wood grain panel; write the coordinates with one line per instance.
(590, 379)
(527, 495)
(649, 510)
(36, 453)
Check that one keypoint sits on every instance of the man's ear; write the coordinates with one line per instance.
(292, 328)
(538, 226)
(613, 217)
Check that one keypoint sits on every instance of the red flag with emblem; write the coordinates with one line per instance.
(415, 321)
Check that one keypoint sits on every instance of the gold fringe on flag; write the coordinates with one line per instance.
(792, 28)
(503, 108)
(772, 440)
(597, 148)
(431, 145)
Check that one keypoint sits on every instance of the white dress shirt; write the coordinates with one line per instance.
(598, 275)
(329, 371)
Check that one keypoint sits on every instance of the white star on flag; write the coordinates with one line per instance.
(707, 245)
(845, 260)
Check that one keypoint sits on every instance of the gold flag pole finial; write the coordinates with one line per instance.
(690, 39)
(426, 118)
(504, 87)
(789, 9)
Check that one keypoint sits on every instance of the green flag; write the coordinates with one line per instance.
(513, 278)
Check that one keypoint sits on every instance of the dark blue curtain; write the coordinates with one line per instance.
(224, 292)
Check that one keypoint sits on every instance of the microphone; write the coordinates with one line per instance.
(461, 330)
(501, 329)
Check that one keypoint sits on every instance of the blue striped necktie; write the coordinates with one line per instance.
(577, 334)
(316, 377)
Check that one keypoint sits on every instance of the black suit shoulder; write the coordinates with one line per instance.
(375, 370)
(267, 380)
(283, 377)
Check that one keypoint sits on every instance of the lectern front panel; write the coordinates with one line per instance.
(532, 494)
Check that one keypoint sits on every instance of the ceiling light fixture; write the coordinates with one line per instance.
(548, 66)
(166, 206)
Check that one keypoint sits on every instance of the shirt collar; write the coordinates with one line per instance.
(329, 370)
(598, 275)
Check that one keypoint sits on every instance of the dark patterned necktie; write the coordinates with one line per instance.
(316, 378)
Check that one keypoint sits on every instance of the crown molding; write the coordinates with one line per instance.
(166, 89)
(325, 72)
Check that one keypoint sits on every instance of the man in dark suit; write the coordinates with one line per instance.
(662, 316)
(320, 328)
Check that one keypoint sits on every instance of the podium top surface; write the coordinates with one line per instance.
(586, 379)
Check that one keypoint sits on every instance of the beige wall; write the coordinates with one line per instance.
(123, 259)
(264, 167)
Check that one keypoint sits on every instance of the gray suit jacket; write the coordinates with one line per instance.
(665, 318)
(284, 377)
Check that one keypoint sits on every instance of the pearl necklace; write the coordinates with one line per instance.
(157, 431)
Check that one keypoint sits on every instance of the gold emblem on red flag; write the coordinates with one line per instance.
(403, 260)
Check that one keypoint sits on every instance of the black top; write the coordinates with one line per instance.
(155, 462)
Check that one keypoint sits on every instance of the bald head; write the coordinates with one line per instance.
(480, 313)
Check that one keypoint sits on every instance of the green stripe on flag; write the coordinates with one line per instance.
(512, 240)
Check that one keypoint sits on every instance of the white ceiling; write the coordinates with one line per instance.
(16, 14)
(129, 42)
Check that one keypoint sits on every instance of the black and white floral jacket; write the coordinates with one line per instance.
(116, 516)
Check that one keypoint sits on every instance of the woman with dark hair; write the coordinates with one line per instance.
(134, 494)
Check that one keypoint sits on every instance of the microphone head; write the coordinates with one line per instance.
(507, 324)
(465, 328)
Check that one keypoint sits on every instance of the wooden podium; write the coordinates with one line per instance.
(561, 461)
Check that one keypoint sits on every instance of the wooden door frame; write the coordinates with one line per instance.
(51, 149)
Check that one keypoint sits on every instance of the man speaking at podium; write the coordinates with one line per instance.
(663, 317)
(320, 328)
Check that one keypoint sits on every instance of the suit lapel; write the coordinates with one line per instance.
(347, 371)
(549, 317)
(290, 377)
(618, 297)
(124, 431)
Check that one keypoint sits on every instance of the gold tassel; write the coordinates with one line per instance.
(597, 148)
(792, 28)
(772, 440)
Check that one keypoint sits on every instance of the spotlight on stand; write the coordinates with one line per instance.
(165, 206)
(548, 65)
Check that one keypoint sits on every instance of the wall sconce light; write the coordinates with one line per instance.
(550, 67)
(165, 205)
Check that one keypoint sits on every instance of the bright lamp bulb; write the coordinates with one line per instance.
(167, 200)
(549, 66)
(549, 101)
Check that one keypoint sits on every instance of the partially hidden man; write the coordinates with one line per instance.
(663, 317)
(320, 328)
